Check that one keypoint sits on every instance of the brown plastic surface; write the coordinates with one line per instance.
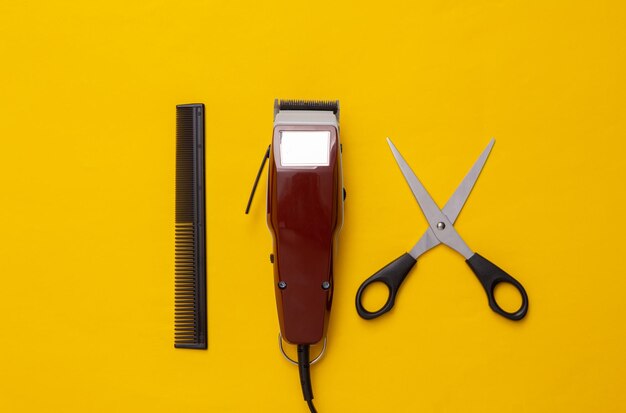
(305, 214)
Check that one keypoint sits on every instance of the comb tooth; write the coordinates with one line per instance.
(190, 330)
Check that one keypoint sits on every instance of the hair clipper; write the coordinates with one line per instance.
(304, 214)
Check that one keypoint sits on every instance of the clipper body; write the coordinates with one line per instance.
(305, 214)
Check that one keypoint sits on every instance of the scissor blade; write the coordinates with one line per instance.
(446, 234)
(455, 204)
(426, 242)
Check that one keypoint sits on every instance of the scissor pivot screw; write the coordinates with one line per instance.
(441, 226)
(282, 285)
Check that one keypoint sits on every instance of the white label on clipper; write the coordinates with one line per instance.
(304, 148)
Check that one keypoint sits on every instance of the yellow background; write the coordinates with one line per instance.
(87, 100)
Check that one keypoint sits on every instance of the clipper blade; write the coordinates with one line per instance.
(301, 104)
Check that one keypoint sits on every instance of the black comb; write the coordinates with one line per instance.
(299, 104)
(190, 325)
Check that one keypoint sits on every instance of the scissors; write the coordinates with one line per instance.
(441, 231)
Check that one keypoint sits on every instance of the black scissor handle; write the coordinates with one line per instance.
(392, 276)
(490, 275)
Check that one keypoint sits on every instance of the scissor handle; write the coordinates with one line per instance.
(392, 276)
(490, 275)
